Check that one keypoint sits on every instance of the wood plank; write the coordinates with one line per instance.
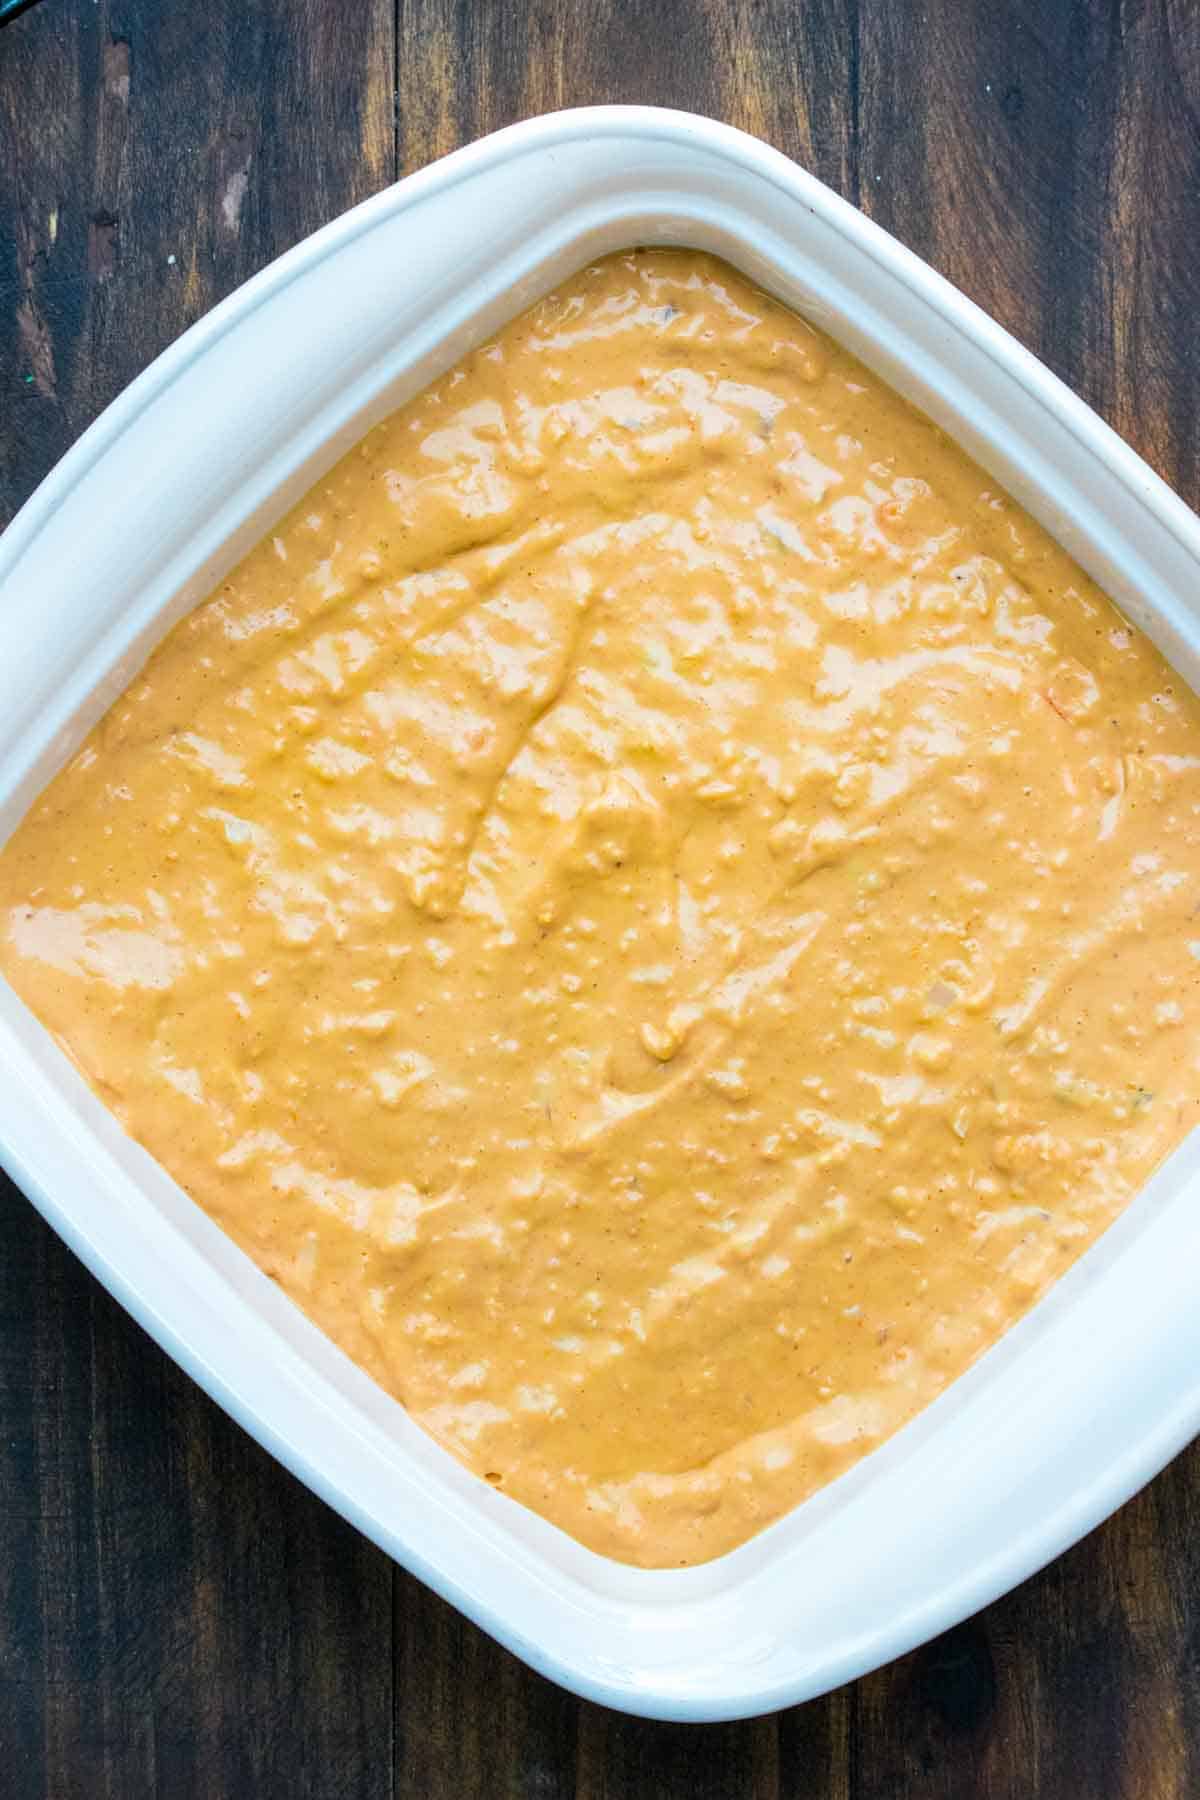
(781, 72)
(154, 157)
(177, 1615)
(470, 1718)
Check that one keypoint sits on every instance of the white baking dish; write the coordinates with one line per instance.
(1055, 1427)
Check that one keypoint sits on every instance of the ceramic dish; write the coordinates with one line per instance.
(1079, 1405)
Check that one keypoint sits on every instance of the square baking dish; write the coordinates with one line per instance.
(1079, 1404)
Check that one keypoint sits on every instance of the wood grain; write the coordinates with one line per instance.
(152, 157)
(177, 1616)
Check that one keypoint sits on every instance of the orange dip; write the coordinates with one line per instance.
(658, 905)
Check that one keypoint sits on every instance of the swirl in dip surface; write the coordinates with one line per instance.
(659, 905)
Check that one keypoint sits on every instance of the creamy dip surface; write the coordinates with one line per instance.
(658, 905)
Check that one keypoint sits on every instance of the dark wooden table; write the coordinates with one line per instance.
(177, 1616)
